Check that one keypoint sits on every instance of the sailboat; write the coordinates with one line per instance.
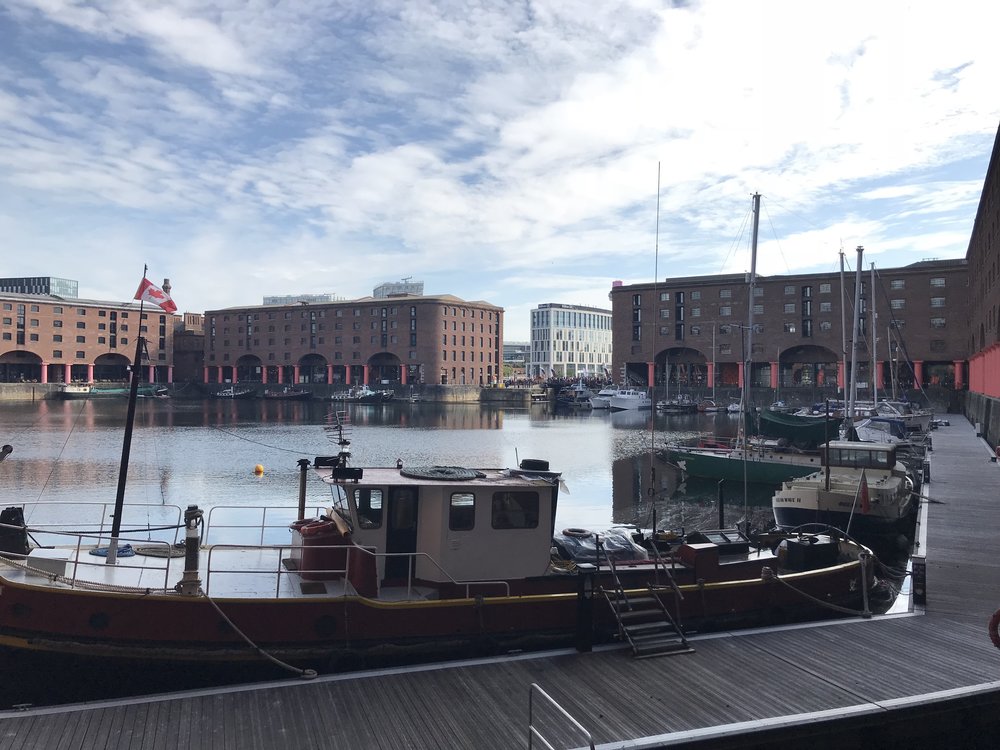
(752, 460)
(860, 487)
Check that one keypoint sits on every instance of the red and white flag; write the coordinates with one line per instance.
(150, 292)
(865, 498)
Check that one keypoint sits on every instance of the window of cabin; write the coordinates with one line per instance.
(369, 504)
(515, 510)
(462, 512)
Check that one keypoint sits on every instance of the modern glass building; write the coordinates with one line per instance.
(66, 288)
(569, 341)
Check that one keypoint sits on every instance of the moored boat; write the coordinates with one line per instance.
(419, 560)
(759, 462)
(807, 432)
(861, 487)
(235, 391)
(631, 399)
(287, 393)
(94, 390)
(602, 399)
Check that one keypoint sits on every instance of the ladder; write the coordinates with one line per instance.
(644, 621)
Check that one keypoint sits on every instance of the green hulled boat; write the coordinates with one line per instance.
(762, 465)
(804, 432)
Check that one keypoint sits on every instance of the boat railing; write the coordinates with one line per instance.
(244, 525)
(79, 562)
(279, 570)
(95, 519)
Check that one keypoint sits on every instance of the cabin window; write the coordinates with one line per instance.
(515, 510)
(462, 513)
(369, 504)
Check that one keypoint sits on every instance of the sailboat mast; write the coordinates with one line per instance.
(843, 326)
(748, 355)
(871, 311)
(854, 340)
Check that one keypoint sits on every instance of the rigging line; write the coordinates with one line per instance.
(735, 244)
(896, 333)
(777, 241)
(258, 442)
(55, 463)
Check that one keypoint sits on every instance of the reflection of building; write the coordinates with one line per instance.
(920, 328)
(66, 288)
(409, 339)
(569, 340)
(48, 339)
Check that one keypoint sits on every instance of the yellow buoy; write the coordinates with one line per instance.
(258, 469)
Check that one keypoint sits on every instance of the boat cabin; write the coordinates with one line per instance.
(448, 524)
(858, 455)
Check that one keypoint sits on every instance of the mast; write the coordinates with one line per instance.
(843, 326)
(748, 354)
(871, 296)
(133, 393)
(854, 339)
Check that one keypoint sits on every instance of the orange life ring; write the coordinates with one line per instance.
(994, 628)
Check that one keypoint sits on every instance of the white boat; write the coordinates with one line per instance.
(916, 420)
(602, 400)
(630, 398)
(862, 487)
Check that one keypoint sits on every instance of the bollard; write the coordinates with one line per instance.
(585, 607)
(919, 579)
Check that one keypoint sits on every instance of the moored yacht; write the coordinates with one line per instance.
(630, 398)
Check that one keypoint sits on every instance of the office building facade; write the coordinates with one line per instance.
(570, 341)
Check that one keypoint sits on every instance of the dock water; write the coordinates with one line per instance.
(927, 678)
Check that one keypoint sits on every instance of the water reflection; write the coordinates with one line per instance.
(204, 452)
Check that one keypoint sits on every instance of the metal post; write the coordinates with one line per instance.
(303, 466)
(190, 583)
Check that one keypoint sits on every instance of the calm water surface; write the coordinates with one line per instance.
(204, 453)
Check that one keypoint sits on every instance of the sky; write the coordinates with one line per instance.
(519, 153)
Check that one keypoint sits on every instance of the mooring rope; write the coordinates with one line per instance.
(306, 674)
(767, 574)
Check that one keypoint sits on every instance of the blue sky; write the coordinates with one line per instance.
(498, 151)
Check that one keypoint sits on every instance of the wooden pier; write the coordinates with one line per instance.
(927, 678)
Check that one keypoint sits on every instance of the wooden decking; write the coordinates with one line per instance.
(928, 678)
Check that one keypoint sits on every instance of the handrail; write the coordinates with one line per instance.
(101, 526)
(345, 571)
(533, 731)
(262, 524)
(80, 560)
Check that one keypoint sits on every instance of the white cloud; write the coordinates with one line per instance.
(293, 141)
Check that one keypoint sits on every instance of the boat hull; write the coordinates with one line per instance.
(760, 468)
(170, 627)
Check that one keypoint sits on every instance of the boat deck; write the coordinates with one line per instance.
(926, 678)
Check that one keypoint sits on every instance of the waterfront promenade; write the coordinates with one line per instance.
(928, 678)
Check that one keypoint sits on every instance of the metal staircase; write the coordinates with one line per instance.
(644, 621)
